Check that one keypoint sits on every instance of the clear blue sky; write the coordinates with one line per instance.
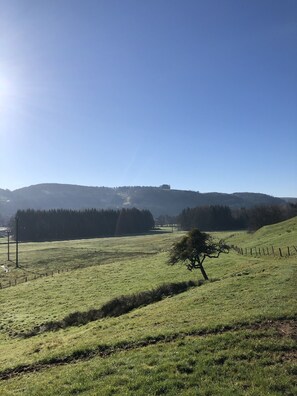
(199, 94)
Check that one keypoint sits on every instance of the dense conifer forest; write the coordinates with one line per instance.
(61, 224)
(223, 218)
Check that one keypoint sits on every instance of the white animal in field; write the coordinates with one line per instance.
(5, 269)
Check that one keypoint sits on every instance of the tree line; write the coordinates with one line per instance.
(223, 218)
(61, 224)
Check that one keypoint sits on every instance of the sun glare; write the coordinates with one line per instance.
(7, 93)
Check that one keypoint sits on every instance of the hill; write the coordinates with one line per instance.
(159, 200)
(281, 234)
(290, 200)
(235, 335)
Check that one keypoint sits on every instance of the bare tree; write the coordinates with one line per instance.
(194, 248)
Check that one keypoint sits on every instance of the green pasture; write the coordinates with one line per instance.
(279, 235)
(242, 363)
(200, 342)
(37, 259)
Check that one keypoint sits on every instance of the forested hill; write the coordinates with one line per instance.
(159, 200)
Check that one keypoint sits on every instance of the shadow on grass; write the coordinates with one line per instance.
(116, 307)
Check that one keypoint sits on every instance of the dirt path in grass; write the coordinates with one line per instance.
(283, 328)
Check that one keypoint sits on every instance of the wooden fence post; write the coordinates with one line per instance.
(272, 248)
(280, 252)
(288, 247)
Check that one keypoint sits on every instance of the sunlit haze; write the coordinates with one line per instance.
(199, 94)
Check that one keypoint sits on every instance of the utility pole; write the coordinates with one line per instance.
(17, 242)
(8, 234)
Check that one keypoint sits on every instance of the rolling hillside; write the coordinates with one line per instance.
(156, 199)
(235, 335)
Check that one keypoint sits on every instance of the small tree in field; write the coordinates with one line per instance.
(194, 248)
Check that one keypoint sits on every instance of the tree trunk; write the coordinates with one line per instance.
(203, 272)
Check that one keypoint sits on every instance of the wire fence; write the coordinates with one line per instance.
(266, 251)
(273, 251)
(26, 278)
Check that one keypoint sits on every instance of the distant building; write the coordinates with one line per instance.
(3, 231)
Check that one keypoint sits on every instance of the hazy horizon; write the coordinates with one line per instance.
(146, 186)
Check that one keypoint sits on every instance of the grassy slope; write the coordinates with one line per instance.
(279, 235)
(250, 289)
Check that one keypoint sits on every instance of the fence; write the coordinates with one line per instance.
(26, 278)
(266, 251)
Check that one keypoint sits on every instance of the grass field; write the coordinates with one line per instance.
(234, 336)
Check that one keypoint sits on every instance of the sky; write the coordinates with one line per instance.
(198, 94)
